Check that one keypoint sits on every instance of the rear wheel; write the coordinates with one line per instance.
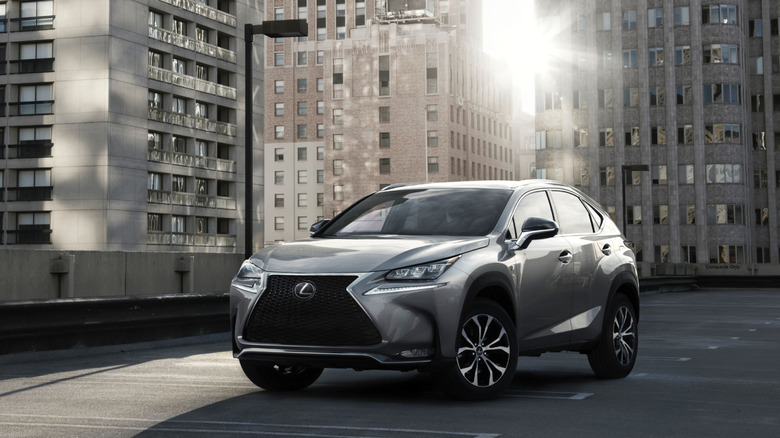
(615, 354)
(486, 354)
(278, 377)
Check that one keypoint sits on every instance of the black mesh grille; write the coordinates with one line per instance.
(330, 318)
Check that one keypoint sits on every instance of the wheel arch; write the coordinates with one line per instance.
(496, 287)
(628, 285)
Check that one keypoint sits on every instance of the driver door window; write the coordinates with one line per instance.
(533, 205)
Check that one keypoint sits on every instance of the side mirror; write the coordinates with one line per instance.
(317, 226)
(534, 228)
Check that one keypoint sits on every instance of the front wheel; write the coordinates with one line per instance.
(486, 354)
(615, 354)
(278, 377)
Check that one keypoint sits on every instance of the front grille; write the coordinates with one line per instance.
(331, 317)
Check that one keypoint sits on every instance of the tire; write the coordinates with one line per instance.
(487, 353)
(615, 353)
(280, 378)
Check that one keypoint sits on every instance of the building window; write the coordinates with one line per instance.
(605, 98)
(658, 135)
(685, 174)
(432, 113)
(432, 73)
(178, 105)
(303, 108)
(338, 116)
(320, 199)
(338, 141)
(658, 174)
(303, 222)
(320, 84)
(721, 54)
(320, 153)
(279, 109)
(338, 78)
(303, 199)
(303, 177)
(755, 28)
(634, 214)
(35, 99)
(630, 58)
(201, 110)
(604, 21)
(279, 154)
(155, 18)
(154, 222)
(303, 153)
(37, 15)
(630, 97)
(384, 114)
(384, 75)
(384, 139)
(338, 192)
(760, 179)
(762, 254)
(279, 223)
(656, 57)
(629, 20)
(384, 166)
(303, 131)
(656, 95)
(655, 17)
(682, 16)
(722, 133)
(719, 14)
(433, 164)
(662, 253)
(179, 26)
(722, 214)
(723, 173)
(279, 58)
(320, 177)
(684, 95)
(278, 200)
(606, 137)
(320, 130)
(178, 183)
(279, 177)
(278, 132)
(433, 138)
(727, 254)
(33, 228)
(762, 216)
(302, 85)
(338, 167)
(278, 87)
(607, 176)
(757, 103)
(682, 55)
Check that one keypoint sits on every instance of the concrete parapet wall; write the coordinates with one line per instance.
(51, 274)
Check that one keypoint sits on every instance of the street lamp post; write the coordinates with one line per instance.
(273, 29)
(625, 169)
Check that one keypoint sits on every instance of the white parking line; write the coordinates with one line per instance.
(549, 394)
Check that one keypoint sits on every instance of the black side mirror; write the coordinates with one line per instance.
(535, 228)
(317, 226)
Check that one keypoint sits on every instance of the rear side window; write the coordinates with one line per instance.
(595, 216)
(573, 217)
(532, 205)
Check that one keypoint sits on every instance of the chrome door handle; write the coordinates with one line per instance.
(607, 250)
(565, 257)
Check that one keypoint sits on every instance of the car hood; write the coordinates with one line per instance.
(351, 255)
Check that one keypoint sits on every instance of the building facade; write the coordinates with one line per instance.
(665, 112)
(120, 124)
(378, 93)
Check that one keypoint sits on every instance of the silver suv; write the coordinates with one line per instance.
(454, 278)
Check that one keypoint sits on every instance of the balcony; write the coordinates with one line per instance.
(42, 22)
(40, 107)
(32, 65)
(196, 161)
(193, 83)
(33, 149)
(40, 234)
(190, 199)
(30, 193)
(188, 121)
(188, 43)
(204, 11)
(169, 238)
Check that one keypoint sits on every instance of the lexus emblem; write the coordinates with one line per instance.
(304, 290)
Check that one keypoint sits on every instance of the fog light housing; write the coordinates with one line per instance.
(416, 353)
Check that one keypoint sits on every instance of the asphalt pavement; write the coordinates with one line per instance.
(707, 367)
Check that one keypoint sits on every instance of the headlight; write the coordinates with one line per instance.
(249, 277)
(250, 271)
(426, 272)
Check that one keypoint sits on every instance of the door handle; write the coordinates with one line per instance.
(565, 257)
(607, 250)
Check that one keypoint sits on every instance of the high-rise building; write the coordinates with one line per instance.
(120, 124)
(666, 113)
(379, 93)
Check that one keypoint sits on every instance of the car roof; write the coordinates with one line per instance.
(507, 185)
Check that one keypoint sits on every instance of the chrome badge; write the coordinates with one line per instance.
(304, 290)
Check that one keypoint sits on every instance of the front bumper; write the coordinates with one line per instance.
(270, 324)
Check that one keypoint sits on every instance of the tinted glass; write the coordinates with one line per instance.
(573, 218)
(532, 205)
(449, 212)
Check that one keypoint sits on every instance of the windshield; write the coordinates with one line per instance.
(427, 212)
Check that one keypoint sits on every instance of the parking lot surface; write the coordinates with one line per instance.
(708, 366)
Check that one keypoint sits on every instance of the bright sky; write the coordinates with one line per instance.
(509, 31)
